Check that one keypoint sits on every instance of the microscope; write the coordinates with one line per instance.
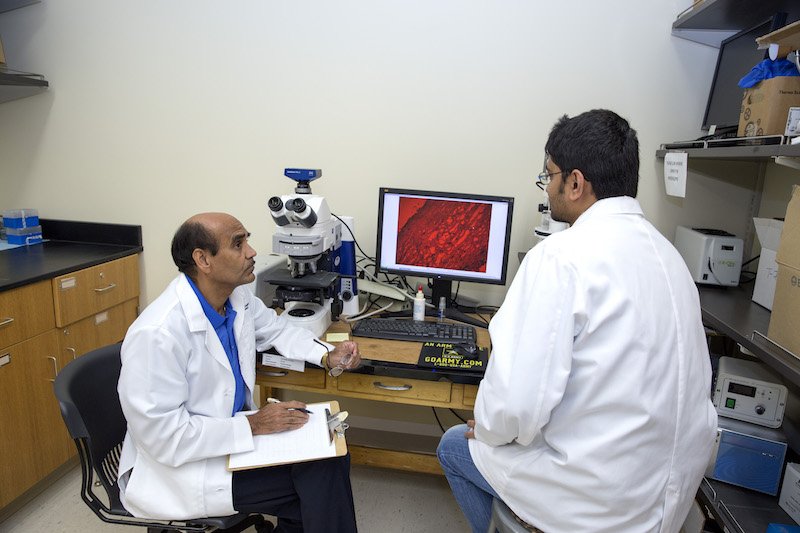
(311, 238)
(548, 226)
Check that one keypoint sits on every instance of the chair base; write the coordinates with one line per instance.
(261, 524)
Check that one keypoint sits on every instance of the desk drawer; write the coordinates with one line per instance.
(100, 329)
(277, 377)
(91, 290)
(417, 389)
(25, 312)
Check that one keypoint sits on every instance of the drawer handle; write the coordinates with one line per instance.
(272, 374)
(74, 352)
(55, 367)
(106, 288)
(6, 321)
(380, 385)
(5, 359)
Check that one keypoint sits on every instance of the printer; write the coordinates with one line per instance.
(714, 257)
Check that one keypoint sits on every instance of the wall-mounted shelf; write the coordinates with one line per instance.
(8, 5)
(13, 86)
(732, 312)
(755, 152)
(712, 21)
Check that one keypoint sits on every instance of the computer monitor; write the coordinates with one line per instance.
(737, 56)
(444, 236)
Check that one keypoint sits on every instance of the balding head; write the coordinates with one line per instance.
(199, 231)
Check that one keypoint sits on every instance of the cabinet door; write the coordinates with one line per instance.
(101, 329)
(91, 290)
(35, 440)
(25, 312)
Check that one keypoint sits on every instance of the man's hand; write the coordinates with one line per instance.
(277, 417)
(345, 355)
(470, 433)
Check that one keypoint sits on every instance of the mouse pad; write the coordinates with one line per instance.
(447, 356)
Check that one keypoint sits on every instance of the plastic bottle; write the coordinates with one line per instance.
(419, 304)
(442, 309)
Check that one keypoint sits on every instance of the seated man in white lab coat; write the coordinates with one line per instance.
(188, 366)
(594, 412)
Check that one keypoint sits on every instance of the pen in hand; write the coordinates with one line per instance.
(301, 409)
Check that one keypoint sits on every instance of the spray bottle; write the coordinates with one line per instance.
(419, 304)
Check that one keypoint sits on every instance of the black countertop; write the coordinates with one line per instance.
(72, 246)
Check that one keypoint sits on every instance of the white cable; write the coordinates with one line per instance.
(379, 282)
(356, 318)
(797, 59)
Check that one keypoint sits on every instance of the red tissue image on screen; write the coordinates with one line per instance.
(443, 234)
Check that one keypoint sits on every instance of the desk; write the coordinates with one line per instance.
(388, 374)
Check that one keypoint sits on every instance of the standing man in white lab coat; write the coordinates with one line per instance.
(594, 412)
(188, 368)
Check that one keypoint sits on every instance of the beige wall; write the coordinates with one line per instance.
(158, 110)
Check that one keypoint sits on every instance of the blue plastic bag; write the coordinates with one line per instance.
(767, 69)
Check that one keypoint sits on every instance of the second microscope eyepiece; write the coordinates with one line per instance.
(305, 216)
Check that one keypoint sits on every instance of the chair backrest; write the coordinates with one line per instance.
(86, 390)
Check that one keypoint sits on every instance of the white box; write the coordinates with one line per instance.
(769, 235)
(793, 122)
(790, 491)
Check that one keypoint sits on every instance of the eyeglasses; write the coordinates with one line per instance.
(543, 178)
(334, 371)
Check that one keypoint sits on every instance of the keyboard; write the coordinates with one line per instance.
(413, 330)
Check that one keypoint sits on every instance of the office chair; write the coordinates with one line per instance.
(503, 520)
(86, 390)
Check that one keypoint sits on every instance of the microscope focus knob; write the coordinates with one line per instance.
(760, 410)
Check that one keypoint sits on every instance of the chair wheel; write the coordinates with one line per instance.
(267, 527)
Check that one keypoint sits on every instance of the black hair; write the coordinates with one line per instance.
(190, 236)
(603, 146)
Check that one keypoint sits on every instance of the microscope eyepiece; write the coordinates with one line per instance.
(277, 211)
(304, 215)
(297, 205)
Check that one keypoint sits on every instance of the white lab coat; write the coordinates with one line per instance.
(177, 391)
(594, 413)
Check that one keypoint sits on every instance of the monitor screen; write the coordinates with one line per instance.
(737, 55)
(444, 236)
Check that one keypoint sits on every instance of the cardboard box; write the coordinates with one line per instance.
(769, 235)
(765, 107)
(789, 499)
(786, 305)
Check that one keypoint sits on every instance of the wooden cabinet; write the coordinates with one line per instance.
(44, 326)
(100, 329)
(83, 293)
(25, 312)
(34, 438)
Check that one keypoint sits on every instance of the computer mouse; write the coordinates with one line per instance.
(466, 349)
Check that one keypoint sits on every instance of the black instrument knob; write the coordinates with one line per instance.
(760, 410)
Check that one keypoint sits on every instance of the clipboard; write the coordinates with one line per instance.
(314, 441)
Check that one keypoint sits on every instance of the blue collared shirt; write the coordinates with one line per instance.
(223, 325)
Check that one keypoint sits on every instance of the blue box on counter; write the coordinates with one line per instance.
(30, 235)
(20, 218)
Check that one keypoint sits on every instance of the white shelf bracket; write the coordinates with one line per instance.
(786, 161)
